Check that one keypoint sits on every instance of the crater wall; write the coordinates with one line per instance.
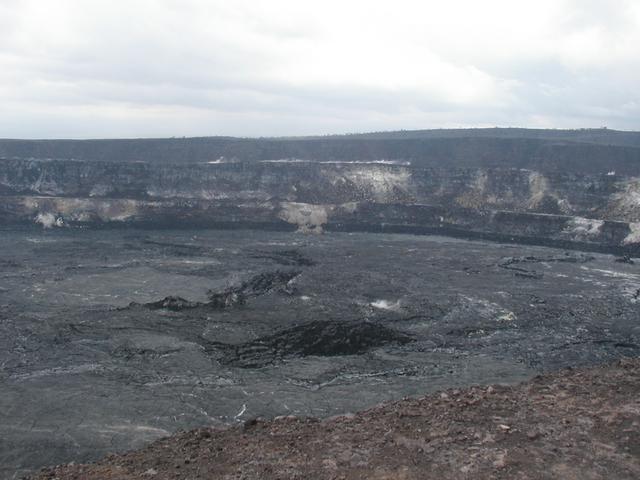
(590, 199)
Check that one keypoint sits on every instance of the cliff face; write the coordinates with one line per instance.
(555, 203)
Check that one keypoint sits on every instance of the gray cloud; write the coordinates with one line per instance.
(93, 68)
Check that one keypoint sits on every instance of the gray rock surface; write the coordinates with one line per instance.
(84, 374)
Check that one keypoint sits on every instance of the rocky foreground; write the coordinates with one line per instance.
(574, 424)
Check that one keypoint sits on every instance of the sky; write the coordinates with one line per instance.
(163, 68)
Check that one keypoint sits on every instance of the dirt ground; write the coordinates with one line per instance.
(574, 424)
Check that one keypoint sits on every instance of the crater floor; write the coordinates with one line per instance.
(110, 339)
(572, 424)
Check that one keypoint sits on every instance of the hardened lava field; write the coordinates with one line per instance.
(112, 338)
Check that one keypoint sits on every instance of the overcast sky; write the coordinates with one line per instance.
(92, 68)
